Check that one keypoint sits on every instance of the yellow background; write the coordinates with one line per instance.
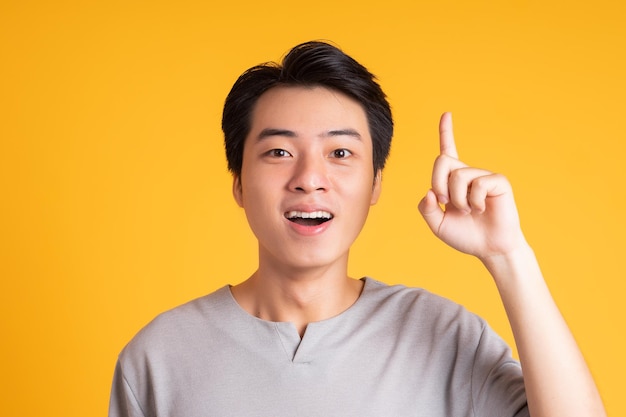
(116, 201)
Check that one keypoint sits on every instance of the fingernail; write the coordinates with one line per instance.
(442, 199)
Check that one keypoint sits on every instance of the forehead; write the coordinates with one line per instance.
(307, 110)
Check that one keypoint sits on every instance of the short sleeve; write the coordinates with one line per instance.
(497, 381)
(123, 402)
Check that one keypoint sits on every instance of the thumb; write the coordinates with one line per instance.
(431, 211)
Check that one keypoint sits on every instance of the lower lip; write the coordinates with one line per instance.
(309, 230)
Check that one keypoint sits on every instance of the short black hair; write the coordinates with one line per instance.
(309, 64)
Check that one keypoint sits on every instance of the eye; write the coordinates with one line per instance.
(341, 153)
(278, 153)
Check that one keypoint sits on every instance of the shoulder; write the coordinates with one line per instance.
(420, 309)
(401, 297)
(173, 327)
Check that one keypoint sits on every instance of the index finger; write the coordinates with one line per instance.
(446, 136)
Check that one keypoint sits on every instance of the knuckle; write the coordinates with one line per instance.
(457, 175)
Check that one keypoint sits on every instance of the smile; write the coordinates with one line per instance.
(313, 218)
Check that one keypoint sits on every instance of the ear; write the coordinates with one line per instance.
(237, 190)
(378, 178)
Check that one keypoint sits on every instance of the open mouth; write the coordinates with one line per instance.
(314, 218)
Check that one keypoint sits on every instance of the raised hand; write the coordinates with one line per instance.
(470, 209)
(473, 211)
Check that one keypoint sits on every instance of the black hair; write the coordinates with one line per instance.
(309, 64)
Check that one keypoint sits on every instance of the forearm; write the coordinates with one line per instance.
(557, 379)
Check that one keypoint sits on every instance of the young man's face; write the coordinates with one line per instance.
(307, 178)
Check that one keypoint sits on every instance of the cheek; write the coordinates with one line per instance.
(257, 206)
(359, 192)
(259, 195)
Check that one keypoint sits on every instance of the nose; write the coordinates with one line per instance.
(310, 174)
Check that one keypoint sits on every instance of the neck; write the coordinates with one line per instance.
(300, 297)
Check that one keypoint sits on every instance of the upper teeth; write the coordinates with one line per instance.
(311, 215)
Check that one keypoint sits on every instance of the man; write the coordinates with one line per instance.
(306, 142)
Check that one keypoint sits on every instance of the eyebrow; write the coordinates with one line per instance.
(344, 132)
(265, 133)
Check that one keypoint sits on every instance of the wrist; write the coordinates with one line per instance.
(510, 266)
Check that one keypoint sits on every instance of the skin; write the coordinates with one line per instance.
(480, 218)
(309, 149)
(292, 161)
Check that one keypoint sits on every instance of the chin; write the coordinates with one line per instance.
(314, 260)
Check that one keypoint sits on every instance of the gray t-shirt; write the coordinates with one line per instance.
(396, 352)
